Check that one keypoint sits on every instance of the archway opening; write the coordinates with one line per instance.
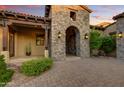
(72, 41)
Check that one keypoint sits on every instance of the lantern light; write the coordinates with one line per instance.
(59, 34)
(120, 34)
(86, 36)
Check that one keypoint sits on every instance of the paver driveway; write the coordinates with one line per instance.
(77, 72)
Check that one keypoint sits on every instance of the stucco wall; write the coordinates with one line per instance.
(1, 41)
(120, 41)
(24, 38)
(60, 22)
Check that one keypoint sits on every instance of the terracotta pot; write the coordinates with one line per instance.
(28, 53)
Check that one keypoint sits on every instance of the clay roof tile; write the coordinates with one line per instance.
(121, 15)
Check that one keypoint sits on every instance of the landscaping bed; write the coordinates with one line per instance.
(5, 73)
(28, 70)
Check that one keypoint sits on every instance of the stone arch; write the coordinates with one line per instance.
(72, 41)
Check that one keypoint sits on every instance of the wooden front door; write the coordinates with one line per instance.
(11, 44)
(70, 42)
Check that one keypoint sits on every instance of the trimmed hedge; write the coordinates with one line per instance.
(36, 67)
(5, 74)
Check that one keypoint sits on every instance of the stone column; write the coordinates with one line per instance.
(46, 54)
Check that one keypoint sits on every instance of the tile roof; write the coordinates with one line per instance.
(86, 8)
(103, 24)
(16, 15)
(121, 15)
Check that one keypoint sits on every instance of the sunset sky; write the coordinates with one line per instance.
(101, 13)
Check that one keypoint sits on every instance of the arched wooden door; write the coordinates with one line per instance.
(72, 41)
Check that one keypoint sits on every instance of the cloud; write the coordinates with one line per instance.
(102, 17)
(110, 7)
(7, 6)
(95, 11)
(3, 7)
(96, 17)
(33, 6)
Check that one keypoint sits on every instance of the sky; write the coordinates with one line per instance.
(104, 13)
(101, 13)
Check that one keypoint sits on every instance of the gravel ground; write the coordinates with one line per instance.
(73, 72)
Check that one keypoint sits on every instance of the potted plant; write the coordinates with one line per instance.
(28, 50)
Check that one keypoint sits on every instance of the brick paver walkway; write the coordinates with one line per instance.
(77, 72)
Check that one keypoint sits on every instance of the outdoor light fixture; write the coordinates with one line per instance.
(59, 34)
(86, 36)
(120, 35)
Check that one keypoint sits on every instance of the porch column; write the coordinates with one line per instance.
(5, 39)
(5, 49)
(46, 41)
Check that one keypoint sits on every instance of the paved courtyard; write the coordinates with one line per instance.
(74, 72)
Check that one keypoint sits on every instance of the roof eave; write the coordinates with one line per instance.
(121, 15)
(86, 8)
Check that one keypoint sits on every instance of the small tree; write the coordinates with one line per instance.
(95, 41)
(28, 49)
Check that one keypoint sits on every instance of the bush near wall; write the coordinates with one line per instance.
(5, 74)
(100, 42)
(36, 67)
(108, 44)
(95, 42)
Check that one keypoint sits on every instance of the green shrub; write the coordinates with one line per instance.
(2, 63)
(95, 40)
(99, 41)
(108, 44)
(36, 67)
(5, 74)
(47, 63)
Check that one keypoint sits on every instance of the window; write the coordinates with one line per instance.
(73, 16)
(39, 39)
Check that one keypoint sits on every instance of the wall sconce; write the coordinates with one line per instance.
(86, 36)
(59, 34)
(120, 35)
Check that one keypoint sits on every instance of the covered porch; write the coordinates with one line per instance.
(24, 36)
(26, 40)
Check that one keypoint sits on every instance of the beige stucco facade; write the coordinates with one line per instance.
(23, 39)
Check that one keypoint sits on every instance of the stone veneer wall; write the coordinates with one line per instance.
(111, 28)
(120, 41)
(60, 22)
